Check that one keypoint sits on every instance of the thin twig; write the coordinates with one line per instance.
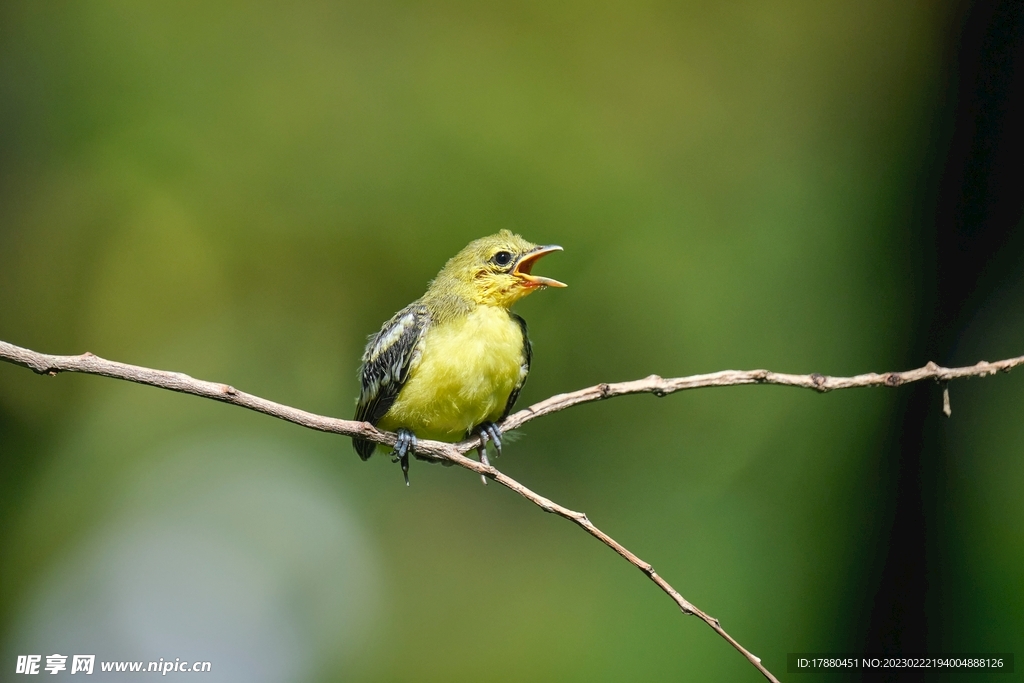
(729, 378)
(454, 453)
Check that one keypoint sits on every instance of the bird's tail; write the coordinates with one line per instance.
(364, 448)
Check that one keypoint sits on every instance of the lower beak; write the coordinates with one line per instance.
(526, 263)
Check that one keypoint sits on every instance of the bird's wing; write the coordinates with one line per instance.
(524, 369)
(386, 362)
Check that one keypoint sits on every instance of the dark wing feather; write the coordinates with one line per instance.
(389, 355)
(524, 369)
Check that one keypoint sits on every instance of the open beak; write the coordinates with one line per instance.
(525, 265)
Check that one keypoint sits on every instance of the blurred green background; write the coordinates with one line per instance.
(245, 191)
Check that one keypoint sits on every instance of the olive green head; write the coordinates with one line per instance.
(493, 270)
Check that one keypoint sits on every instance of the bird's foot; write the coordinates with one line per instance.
(405, 445)
(488, 431)
(482, 451)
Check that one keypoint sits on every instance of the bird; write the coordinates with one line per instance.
(452, 363)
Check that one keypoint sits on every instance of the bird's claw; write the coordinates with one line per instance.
(490, 431)
(482, 451)
(404, 445)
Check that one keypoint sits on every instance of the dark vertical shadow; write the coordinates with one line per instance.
(972, 241)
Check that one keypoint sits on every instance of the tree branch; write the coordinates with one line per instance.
(454, 453)
(728, 378)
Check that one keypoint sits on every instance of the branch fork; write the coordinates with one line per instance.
(454, 453)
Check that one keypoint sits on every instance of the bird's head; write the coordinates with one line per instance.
(495, 270)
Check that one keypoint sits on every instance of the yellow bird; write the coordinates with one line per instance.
(453, 362)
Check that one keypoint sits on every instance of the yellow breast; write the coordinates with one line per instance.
(464, 374)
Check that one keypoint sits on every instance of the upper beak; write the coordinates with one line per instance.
(525, 265)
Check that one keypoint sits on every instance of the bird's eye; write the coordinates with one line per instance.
(502, 258)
